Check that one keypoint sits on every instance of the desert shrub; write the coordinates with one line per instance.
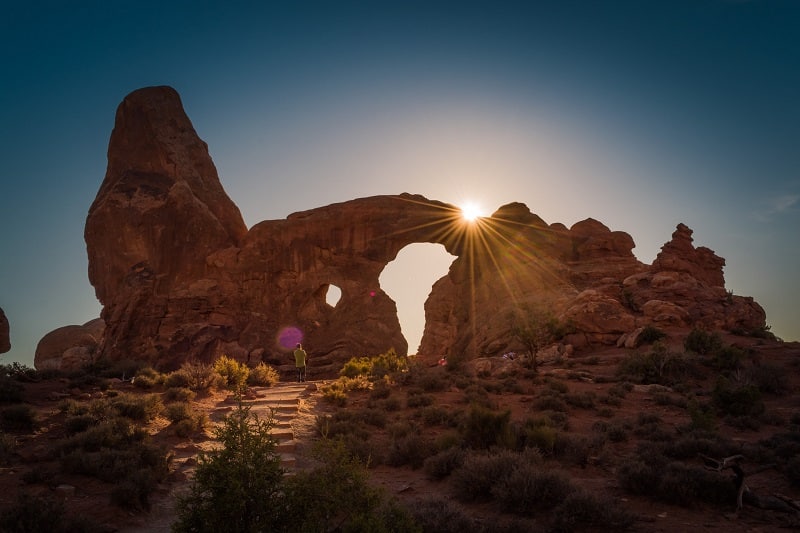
(197, 376)
(437, 515)
(746, 422)
(581, 400)
(484, 427)
(581, 508)
(702, 342)
(113, 433)
(478, 474)
(342, 498)
(20, 417)
(189, 426)
(605, 412)
(659, 365)
(442, 464)
(78, 423)
(133, 491)
(33, 514)
(179, 379)
(550, 402)
(557, 385)
(264, 375)
(615, 430)
(535, 433)
(373, 417)
(375, 367)
(178, 411)
(389, 404)
(649, 335)
(736, 400)
(530, 487)
(340, 423)
(620, 389)
(10, 390)
(701, 416)
(433, 415)
(409, 449)
(239, 486)
(113, 465)
(417, 399)
(146, 378)
(233, 372)
(8, 445)
(433, 381)
(573, 449)
(380, 390)
(770, 379)
(179, 394)
(334, 394)
(728, 358)
(139, 408)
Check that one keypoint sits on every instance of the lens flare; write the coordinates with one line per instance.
(289, 336)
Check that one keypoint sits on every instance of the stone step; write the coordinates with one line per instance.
(288, 446)
(282, 434)
(288, 460)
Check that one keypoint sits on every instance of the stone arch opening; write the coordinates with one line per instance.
(403, 281)
(333, 295)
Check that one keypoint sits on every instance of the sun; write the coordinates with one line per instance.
(471, 211)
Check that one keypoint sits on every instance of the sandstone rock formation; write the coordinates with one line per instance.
(5, 334)
(181, 278)
(69, 347)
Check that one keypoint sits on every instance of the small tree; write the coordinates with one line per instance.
(536, 328)
(237, 488)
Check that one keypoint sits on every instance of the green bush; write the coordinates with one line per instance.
(649, 335)
(478, 475)
(10, 390)
(233, 372)
(239, 486)
(484, 428)
(264, 375)
(528, 487)
(702, 342)
(728, 358)
(138, 408)
(438, 515)
(659, 365)
(178, 411)
(342, 499)
(410, 449)
(177, 380)
(770, 379)
(33, 514)
(417, 399)
(582, 509)
(78, 423)
(19, 417)
(179, 394)
(442, 464)
(8, 445)
(189, 426)
(375, 367)
(736, 400)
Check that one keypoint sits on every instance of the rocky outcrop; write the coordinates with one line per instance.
(181, 278)
(5, 334)
(69, 347)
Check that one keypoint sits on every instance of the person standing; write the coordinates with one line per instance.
(300, 357)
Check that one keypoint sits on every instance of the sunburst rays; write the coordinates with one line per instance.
(490, 248)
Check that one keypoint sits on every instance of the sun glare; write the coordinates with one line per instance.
(471, 212)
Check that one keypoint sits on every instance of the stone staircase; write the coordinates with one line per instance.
(281, 402)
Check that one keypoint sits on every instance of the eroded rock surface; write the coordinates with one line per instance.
(181, 278)
(5, 333)
(69, 347)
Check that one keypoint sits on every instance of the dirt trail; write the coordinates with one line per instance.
(289, 403)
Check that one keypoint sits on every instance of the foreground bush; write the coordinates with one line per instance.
(264, 375)
(238, 487)
(233, 372)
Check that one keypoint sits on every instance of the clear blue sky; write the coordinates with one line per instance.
(641, 114)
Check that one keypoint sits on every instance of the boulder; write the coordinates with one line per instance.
(69, 347)
(5, 334)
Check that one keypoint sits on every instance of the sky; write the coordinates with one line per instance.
(641, 114)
